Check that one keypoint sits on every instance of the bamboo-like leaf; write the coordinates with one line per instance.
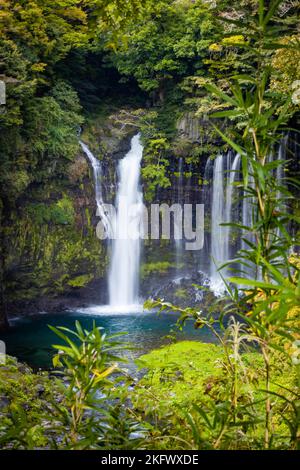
(56, 360)
(216, 91)
(261, 11)
(105, 373)
(253, 283)
(235, 146)
(245, 170)
(202, 414)
(244, 78)
(228, 113)
(272, 8)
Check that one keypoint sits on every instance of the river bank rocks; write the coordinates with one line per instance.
(185, 290)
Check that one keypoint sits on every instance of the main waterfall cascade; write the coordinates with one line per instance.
(125, 259)
(124, 229)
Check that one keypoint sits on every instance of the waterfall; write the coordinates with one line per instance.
(247, 212)
(205, 259)
(280, 171)
(217, 238)
(248, 209)
(180, 200)
(221, 212)
(232, 173)
(125, 259)
(97, 170)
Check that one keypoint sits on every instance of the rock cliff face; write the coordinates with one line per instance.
(190, 127)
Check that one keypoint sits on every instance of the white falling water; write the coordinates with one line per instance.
(248, 213)
(221, 212)
(280, 171)
(233, 170)
(247, 210)
(205, 253)
(125, 259)
(97, 170)
(180, 200)
(217, 232)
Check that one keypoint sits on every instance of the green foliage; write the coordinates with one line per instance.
(39, 124)
(52, 130)
(80, 281)
(78, 411)
(86, 369)
(186, 394)
(47, 141)
(156, 154)
(164, 45)
(159, 267)
(25, 394)
(155, 175)
(176, 376)
(58, 213)
(243, 412)
(51, 244)
(224, 409)
(39, 128)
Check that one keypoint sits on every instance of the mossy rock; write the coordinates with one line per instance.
(181, 376)
(80, 281)
(176, 373)
(158, 267)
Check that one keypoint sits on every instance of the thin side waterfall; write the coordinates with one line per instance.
(97, 171)
(205, 260)
(280, 171)
(222, 212)
(180, 200)
(248, 212)
(233, 170)
(125, 259)
(281, 201)
(217, 236)
(279, 157)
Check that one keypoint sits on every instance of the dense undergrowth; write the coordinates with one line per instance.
(181, 402)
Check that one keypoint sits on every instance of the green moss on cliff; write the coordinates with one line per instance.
(54, 247)
(159, 267)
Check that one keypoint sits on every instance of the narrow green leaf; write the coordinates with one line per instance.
(235, 146)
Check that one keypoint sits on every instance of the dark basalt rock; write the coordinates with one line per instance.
(186, 291)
